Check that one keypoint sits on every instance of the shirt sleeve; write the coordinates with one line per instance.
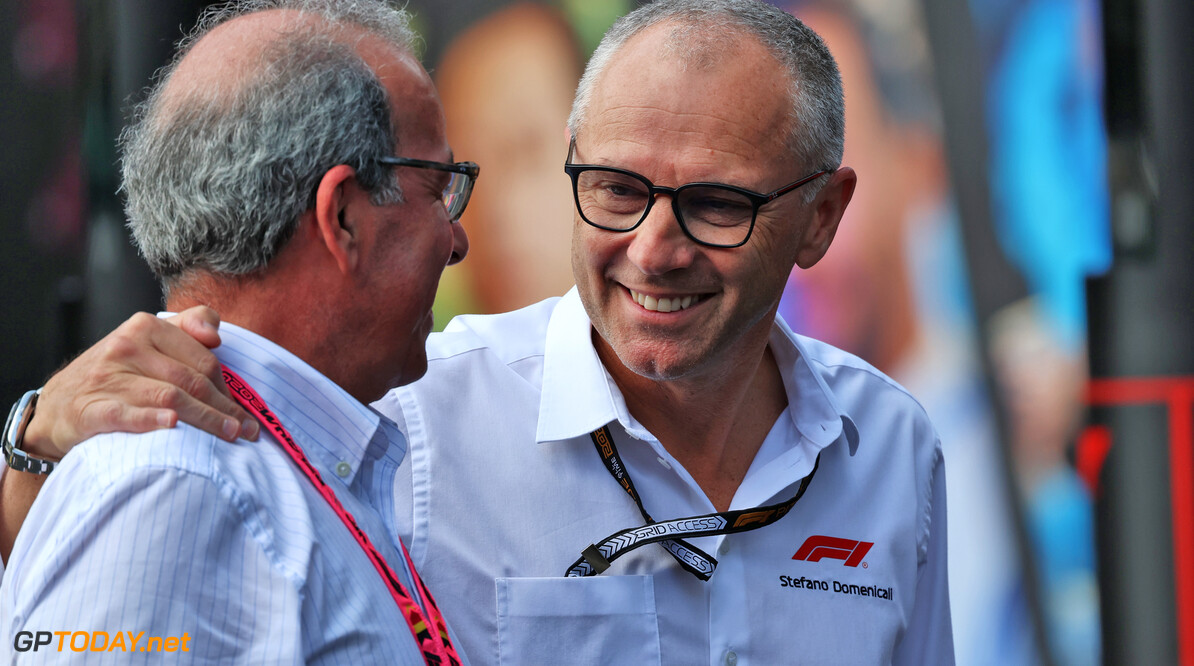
(156, 553)
(929, 637)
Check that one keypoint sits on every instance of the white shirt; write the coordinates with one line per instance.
(504, 489)
(175, 532)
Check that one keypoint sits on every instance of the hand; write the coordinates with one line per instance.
(145, 375)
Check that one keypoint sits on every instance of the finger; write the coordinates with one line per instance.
(200, 402)
(201, 323)
(151, 349)
(116, 416)
(177, 347)
(108, 415)
(203, 416)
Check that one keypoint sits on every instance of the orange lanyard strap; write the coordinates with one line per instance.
(670, 533)
(432, 636)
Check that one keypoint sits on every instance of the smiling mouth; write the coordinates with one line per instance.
(664, 304)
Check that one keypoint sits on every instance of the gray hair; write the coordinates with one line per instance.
(816, 134)
(216, 180)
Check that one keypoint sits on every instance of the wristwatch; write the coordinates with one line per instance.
(14, 433)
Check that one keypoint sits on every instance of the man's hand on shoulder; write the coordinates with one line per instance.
(147, 374)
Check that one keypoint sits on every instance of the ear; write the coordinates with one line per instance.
(336, 226)
(828, 208)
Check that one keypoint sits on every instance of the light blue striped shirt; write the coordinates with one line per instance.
(224, 546)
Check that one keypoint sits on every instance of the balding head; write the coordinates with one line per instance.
(263, 98)
(234, 53)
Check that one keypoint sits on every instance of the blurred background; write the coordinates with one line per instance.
(1018, 254)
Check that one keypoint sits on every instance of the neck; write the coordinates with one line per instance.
(296, 322)
(712, 424)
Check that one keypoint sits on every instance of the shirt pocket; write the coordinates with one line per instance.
(595, 620)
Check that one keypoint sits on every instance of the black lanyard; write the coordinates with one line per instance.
(669, 533)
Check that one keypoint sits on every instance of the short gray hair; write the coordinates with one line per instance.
(818, 118)
(218, 181)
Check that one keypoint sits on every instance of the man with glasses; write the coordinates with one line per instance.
(654, 468)
(261, 181)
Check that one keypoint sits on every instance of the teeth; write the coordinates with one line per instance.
(662, 304)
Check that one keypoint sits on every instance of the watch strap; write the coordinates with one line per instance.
(14, 434)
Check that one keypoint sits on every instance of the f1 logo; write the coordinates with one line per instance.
(818, 547)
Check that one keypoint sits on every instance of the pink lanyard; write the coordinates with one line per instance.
(432, 636)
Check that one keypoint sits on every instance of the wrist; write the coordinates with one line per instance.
(38, 440)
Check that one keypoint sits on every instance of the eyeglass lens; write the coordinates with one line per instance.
(618, 201)
(456, 195)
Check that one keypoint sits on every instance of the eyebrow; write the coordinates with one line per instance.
(613, 165)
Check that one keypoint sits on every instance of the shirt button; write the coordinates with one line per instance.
(343, 469)
(663, 463)
(731, 658)
(722, 550)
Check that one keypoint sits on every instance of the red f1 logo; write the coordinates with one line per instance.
(816, 548)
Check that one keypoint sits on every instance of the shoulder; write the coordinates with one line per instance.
(253, 482)
(482, 355)
(898, 458)
(178, 470)
(894, 432)
(185, 474)
(484, 366)
(110, 458)
(858, 387)
(243, 467)
(186, 468)
(509, 336)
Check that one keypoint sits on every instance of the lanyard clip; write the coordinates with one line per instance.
(595, 559)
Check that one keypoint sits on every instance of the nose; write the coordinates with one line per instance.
(659, 245)
(459, 243)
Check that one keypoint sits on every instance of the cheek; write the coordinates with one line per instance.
(769, 254)
(590, 252)
(433, 247)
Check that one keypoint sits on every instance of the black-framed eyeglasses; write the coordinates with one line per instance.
(712, 214)
(460, 183)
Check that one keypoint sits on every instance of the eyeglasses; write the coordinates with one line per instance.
(711, 214)
(460, 183)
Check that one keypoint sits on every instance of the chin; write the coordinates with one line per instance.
(411, 375)
(412, 370)
(656, 365)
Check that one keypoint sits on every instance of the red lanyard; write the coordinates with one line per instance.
(432, 636)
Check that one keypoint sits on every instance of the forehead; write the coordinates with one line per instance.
(716, 93)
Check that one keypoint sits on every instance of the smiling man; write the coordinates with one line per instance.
(654, 468)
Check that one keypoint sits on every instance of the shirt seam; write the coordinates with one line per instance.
(486, 348)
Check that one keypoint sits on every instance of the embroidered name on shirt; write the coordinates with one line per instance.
(803, 583)
(819, 547)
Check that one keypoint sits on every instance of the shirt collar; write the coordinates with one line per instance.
(579, 395)
(812, 406)
(331, 426)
